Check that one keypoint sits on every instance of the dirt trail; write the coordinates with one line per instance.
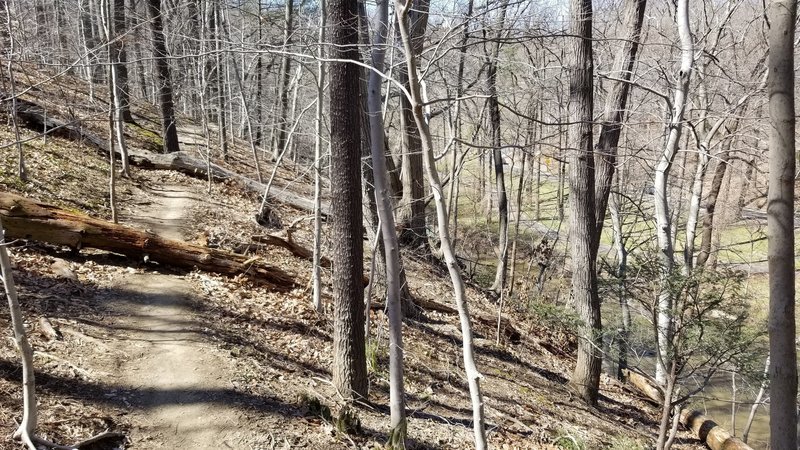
(180, 383)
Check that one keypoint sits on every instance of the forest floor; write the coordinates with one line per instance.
(187, 359)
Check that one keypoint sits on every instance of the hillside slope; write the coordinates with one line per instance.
(175, 359)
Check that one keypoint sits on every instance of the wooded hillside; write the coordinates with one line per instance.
(399, 224)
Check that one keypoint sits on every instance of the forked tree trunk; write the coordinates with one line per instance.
(349, 360)
(586, 377)
(780, 226)
(473, 376)
(497, 155)
(28, 424)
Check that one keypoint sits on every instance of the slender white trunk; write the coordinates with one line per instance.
(29, 414)
(316, 273)
(246, 110)
(22, 172)
(756, 403)
(473, 376)
(388, 231)
(662, 213)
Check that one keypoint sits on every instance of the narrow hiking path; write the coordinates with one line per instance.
(179, 383)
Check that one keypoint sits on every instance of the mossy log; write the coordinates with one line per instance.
(30, 219)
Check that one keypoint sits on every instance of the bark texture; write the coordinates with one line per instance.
(169, 131)
(586, 377)
(349, 359)
(390, 242)
(780, 226)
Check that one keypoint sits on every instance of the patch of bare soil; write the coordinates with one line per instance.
(178, 383)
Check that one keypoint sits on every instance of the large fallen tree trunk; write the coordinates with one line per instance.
(708, 431)
(30, 219)
(34, 116)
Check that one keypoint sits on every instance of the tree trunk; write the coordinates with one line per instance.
(120, 60)
(711, 206)
(497, 155)
(780, 226)
(473, 376)
(163, 79)
(622, 271)
(390, 241)
(22, 172)
(349, 360)
(285, 77)
(662, 213)
(319, 124)
(756, 403)
(614, 114)
(28, 424)
(412, 218)
(115, 89)
(586, 377)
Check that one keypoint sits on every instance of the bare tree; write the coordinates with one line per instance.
(497, 155)
(285, 76)
(120, 60)
(316, 275)
(415, 103)
(22, 172)
(412, 212)
(614, 114)
(390, 242)
(662, 210)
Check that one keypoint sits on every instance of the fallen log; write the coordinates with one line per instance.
(293, 247)
(30, 219)
(184, 163)
(34, 116)
(708, 431)
(506, 327)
